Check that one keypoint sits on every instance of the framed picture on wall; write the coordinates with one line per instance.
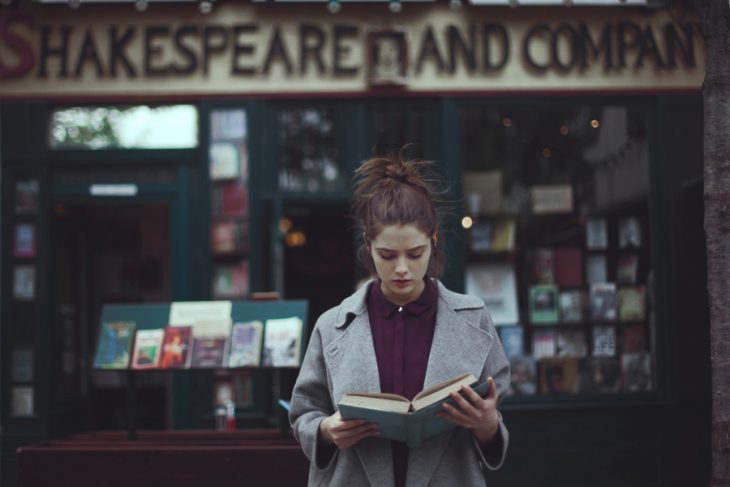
(387, 57)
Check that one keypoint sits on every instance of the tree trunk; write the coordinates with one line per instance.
(715, 18)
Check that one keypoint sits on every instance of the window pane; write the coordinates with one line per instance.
(134, 127)
(309, 157)
(556, 212)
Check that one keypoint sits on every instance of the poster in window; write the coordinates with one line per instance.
(22, 405)
(26, 197)
(24, 282)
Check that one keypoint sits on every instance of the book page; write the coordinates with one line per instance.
(441, 391)
(378, 401)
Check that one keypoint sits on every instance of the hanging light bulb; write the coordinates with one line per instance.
(140, 5)
(333, 6)
(395, 6)
(205, 6)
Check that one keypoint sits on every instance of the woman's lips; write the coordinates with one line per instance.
(402, 282)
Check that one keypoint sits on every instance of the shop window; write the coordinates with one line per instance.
(556, 212)
(119, 127)
(309, 160)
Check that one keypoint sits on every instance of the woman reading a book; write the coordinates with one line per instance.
(400, 333)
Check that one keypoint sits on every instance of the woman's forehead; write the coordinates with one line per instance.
(399, 236)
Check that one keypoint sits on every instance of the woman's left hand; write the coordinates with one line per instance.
(474, 412)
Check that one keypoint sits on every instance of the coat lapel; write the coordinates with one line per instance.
(353, 367)
(458, 347)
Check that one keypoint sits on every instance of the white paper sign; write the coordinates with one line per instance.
(187, 313)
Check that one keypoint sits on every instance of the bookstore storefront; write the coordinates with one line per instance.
(166, 155)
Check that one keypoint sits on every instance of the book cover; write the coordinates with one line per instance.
(633, 338)
(629, 233)
(604, 302)
(513, 340)
(627, 270)
(283, 342)
(231, 281)
(229, 236)
(571, 343)
(481, 236)
(406, 421)
(114, 345)
(210, 339)
(224, 161)
(147, 348)
(24, 282)
(234, 199)
(503, 238)
(24, 240)
(604, 341)
(596, 269)
(208, 352)
(572, 306)
(596, 233)
(636, 373)
(568, 267)
(495, 283)
(542, 266)
(552, 199)
(559, 376)
(543, 344)
(523, 376)
(632, 303)
(543, 305)
(246, 341)
(600, 375)
(176, 347)
(26, 197)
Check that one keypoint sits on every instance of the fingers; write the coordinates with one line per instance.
(492, 390)
(345, 438)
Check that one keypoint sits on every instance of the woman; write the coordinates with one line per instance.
(400, 333)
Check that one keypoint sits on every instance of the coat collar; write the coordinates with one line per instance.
(458, 346)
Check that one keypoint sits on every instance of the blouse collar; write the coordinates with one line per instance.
(425, 302)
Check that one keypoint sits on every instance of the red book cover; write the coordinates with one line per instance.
(234, 199)
(176, 347)
(568, 267)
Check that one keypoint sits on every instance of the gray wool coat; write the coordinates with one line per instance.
(340, 358)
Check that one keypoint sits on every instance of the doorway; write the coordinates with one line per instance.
(105, 253)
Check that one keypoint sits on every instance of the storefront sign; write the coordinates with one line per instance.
(238, 52)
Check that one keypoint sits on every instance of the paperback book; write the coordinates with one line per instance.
(628, 268)
(523, 376)
(495, 284)
(542, 266)
(636, 372)
(406, 421)
(503, 238)
(633, 338)
(559, 376)
(246, 341)
(543, 344)
(572, 306)
(571, 343)
(283, 342)
(513, 340)
(596, 269)
(481, 236)
(632, 304)
(208, 352)
(604, 341)
(147, 348)
(604, 302)
(629, 233)
(543, 305)
(600, 375)
(568, 267)
(596, 234)
(176, 347)
(114, 345)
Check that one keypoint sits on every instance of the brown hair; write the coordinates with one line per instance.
(393, 191)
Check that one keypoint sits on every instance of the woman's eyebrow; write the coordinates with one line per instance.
(385, 249)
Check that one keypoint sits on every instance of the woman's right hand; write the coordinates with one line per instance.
(345, 433)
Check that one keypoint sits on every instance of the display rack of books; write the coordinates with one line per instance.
(229, 232)
(24, 254)
(562, 263)
(230, 338)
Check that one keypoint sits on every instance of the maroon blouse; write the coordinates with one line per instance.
(402, 336)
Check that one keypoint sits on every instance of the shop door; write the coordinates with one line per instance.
(102, 254)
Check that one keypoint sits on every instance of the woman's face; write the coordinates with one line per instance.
(401, 254)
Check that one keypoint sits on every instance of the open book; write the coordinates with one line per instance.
(408, 421)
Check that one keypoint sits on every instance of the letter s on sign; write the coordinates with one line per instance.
(11, 40)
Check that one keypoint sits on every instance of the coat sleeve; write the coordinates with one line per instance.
(311, 403)
(496, 366)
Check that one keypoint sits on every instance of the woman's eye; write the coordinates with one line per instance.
(387, 257)
(416, 256)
